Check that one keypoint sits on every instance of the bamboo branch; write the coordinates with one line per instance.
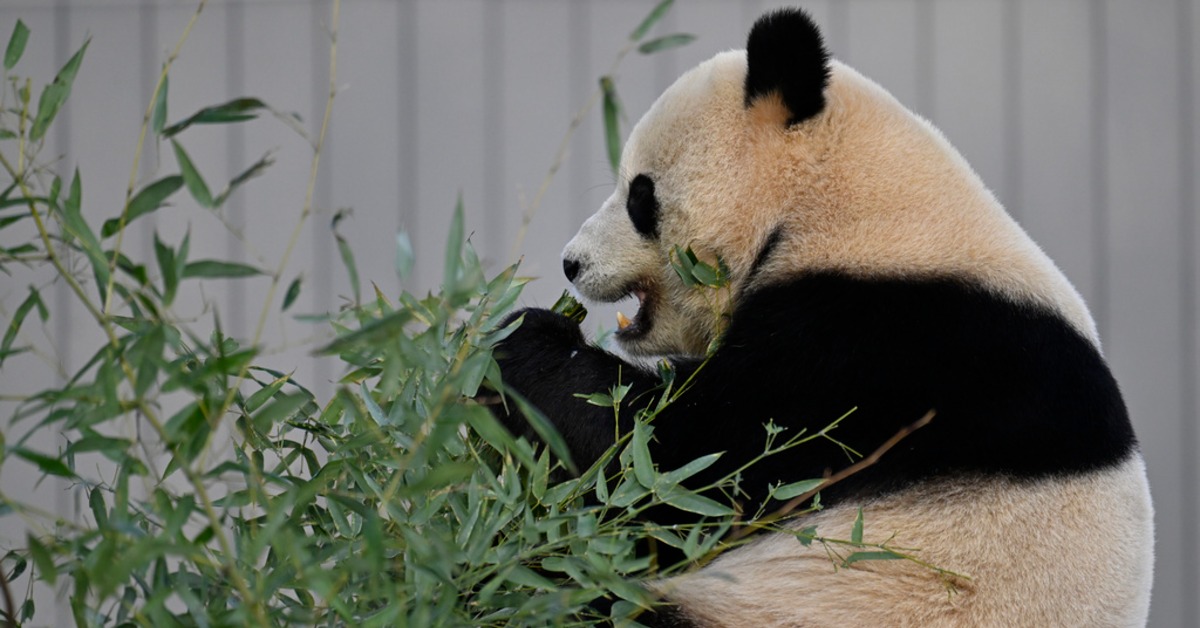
(870, 460)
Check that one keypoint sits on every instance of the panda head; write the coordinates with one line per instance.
(778, 160)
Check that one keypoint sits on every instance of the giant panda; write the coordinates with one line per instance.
(870, 268)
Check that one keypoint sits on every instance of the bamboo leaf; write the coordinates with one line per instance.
(691, 502)
(643, 467)
(14, 325)
(42, 559)
(16, 45)
(650, 20)
(688, 470)
(159, 118)
(404, 255)
(191, 177)
(237, 110)
(47, 464)
(856, 531)
(254, 170)
(166, 265)
(788, 491)
(879, 555)
(147, 200)
(214, 269)
(454, 244)
(612, 130)
(351, 270)
(75, 225)
(55, 94)
(665, 43)
(293, 291)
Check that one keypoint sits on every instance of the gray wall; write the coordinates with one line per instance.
(1080, 114)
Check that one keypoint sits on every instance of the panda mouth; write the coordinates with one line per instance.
(638, 326)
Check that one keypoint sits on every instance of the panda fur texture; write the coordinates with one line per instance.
(871, 268)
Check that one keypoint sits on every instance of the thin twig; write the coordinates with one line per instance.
(873, 458)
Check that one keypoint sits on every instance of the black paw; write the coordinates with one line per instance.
(540, 329)
(535, 361)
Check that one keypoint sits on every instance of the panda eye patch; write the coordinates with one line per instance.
(643, 206)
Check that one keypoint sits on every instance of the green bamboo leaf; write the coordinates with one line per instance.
(99, 510)
(404, 255)
(42, 559)
(213, 269)
(254, 170)
(47, 464)
(666, 42)
(612, 130)
(293, 291)
(524, 576)
(691, 502)
(545, 430)
(55, 94)
(879, 555)
(191, 177)
(16, 45)
(684, 263)
(166, 265)
(795, 489)
(706, 275)
(237, 110)
(688, 470)
(147, 200)
(856, 531)
(14, 325)
(454, 244)
(96, 442)
(351, 269)
(77, 227)
(280, 408)
(159, 118)
(374, 333)
(643, 467)
(650, 20)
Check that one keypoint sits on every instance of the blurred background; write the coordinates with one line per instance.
(1080, 114)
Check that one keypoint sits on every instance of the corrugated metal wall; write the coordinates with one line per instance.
(1081, 114)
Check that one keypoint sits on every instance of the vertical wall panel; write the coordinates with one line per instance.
(967, 88)
(880, 44)
(717, 25)
(537, 111)
(365, 153)
(278, 68)
(1188, 24)
(1143, 336)
(1055, 136)
(28, 373)
(450, 108)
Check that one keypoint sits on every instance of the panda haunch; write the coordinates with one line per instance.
(871, 269)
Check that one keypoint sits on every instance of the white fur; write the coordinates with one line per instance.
(1062, 552)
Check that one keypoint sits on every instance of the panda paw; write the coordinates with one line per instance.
(541, 330)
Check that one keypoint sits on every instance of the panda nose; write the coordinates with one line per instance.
(570, 268)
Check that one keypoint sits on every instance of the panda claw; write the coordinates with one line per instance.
(623, 321)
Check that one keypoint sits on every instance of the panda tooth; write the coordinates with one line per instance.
(623, 321)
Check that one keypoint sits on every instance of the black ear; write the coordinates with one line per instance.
(785, 55)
